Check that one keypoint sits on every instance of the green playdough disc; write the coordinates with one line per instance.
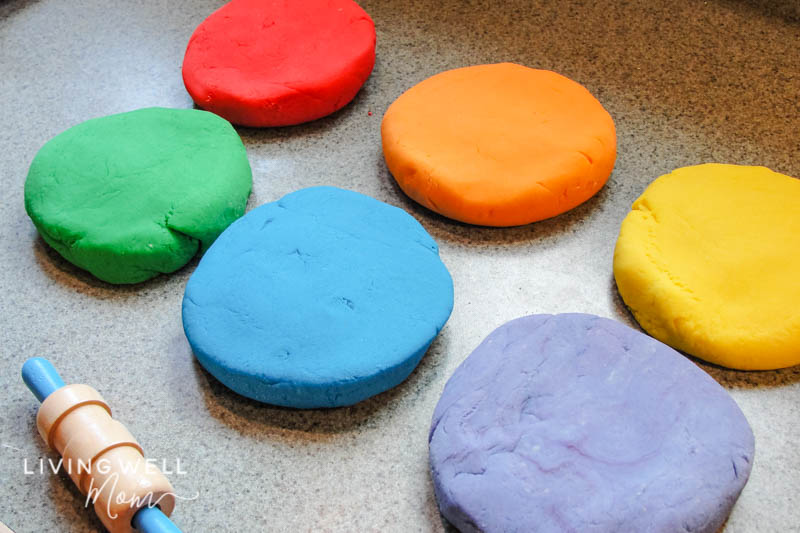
(133, 195)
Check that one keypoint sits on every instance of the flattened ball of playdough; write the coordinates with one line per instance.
(577, 423)
(321, 299)
(280, 62)
(132, 195)
(708, 261)
(499, 145)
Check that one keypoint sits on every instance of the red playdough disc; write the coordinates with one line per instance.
(279, 62)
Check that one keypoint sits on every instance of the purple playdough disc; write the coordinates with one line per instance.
(578, 423)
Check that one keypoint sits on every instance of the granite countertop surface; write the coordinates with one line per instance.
(687, 82)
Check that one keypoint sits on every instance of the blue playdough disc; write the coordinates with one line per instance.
(321, 299)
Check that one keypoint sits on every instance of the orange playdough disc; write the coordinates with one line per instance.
(499, 145)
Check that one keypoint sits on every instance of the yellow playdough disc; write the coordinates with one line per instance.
(708, 261)
(499, 145)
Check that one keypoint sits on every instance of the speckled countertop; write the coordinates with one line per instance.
(686, 82)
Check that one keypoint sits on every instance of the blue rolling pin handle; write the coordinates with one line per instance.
(152, 520)
(41, 377)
